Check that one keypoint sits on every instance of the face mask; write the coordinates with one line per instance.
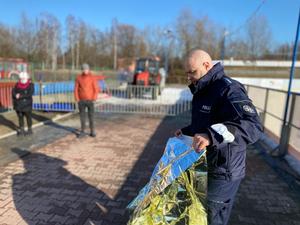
(23, 77)
(24, 81)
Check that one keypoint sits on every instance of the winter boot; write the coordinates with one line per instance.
(81, 134)
(29, 132)
(93, 134)
(21, 132)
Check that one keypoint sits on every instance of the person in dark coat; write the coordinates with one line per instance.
(224, 121)
(22, 102)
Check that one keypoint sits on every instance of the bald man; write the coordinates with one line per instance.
(224, 121)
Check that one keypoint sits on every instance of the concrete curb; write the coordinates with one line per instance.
(273, 147)
(40, 124)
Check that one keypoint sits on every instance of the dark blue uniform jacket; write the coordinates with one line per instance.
(218, 99)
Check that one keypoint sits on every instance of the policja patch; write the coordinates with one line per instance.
(244, 107)
(248, 109)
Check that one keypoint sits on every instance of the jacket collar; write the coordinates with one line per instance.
(21, 85)
(215, 73)
(85, 75)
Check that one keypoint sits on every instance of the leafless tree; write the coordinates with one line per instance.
(126, 40)
(198, 32)
(212, 37)
(185, 28)
(7, 42)
(141, 49)
(81, 43)
(154, 37)
(258, 36)
(43, 42)
(237, 49)
(40, 40)
(26, 37)
(72, 37)
(48, 39)
(283, 52)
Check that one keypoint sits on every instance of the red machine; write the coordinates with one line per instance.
(146, 72)
(11, 67)
(146, 78)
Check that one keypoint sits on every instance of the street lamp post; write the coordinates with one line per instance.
(223, 45)
(169, 35)
(115, 44)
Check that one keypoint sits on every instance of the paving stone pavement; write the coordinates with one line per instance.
(91, 180)
(264, 198)
(9, 120)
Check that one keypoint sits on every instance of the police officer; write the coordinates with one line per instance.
(224, 121)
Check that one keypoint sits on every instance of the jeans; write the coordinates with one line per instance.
(220, 198)
(82, 105)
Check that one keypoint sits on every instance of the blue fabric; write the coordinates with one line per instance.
(220, 199)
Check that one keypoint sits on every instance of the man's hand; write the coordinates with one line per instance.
(18, 95)
(200, 141)
(178, 133)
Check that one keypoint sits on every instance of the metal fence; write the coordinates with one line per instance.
(271, 105)
(5, 96)
(146, 100)
(48, 96)
(59, 96)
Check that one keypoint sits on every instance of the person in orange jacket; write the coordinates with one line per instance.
(86, 92)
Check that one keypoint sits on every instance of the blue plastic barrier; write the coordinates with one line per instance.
(54, 87)
(62, 87)
(59, 88)
(56, 106)
(41, 106)
(102, 85)
(66, 107)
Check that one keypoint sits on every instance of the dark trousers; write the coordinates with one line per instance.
(220, 198)
(82, 105)
(28, 116)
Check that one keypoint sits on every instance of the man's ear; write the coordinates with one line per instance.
(206, 65)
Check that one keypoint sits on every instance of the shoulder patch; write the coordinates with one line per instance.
(248, 109)
(244, 107)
